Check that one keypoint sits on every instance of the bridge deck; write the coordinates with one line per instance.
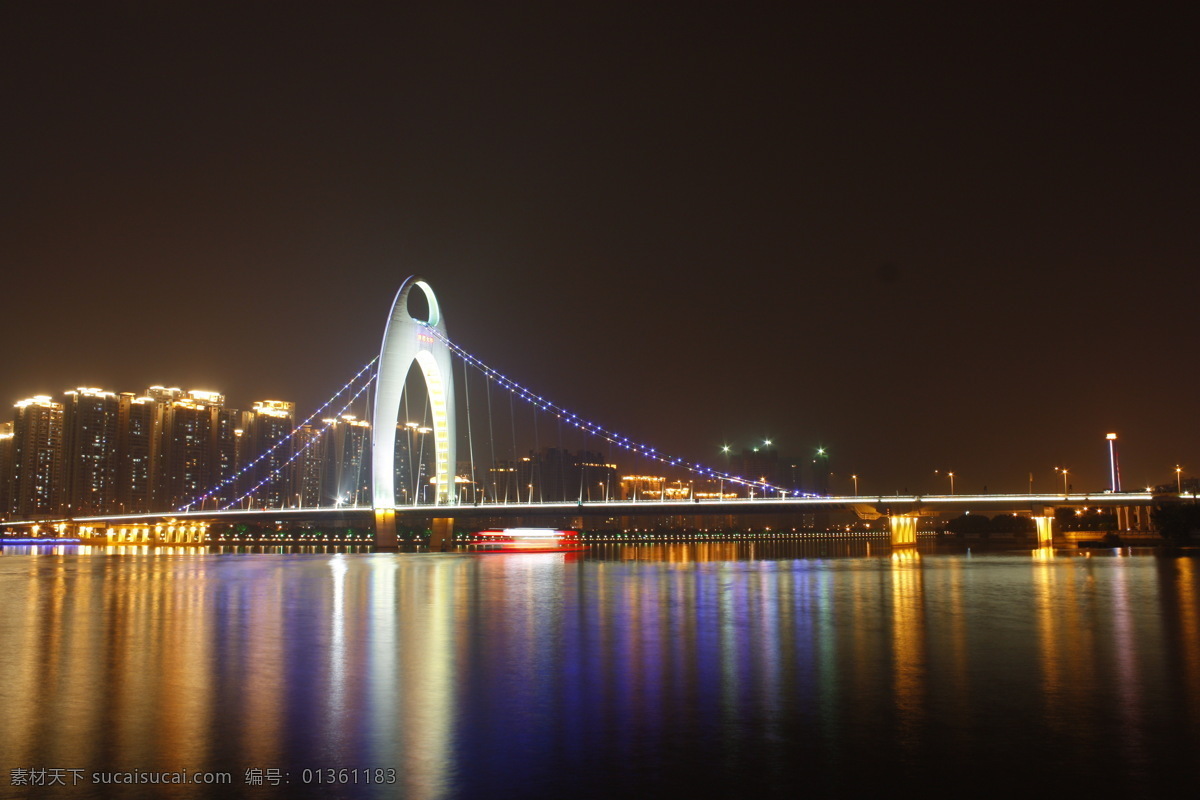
(879, 504)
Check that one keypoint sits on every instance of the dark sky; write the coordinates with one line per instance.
(941, 238)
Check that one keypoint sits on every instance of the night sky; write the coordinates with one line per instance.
(938, 238)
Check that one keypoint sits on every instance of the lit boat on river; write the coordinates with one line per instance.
(527, 540)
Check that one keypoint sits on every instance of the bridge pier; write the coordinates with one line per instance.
(385, 530)
(904, 530)
(1045, 530)
(1131, 519)
(441, 534)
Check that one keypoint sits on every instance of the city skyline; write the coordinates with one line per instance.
(925, 240)
(798, 399)
(303, 472)
(100, 451)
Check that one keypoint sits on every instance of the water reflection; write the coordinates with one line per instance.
(908, 644)
(661, 668)
(690, 552)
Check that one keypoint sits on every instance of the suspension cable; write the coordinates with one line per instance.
(470, 438)
(238, 474)
(275, 472)
(650, 453)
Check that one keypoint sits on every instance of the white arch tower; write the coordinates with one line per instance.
(405, 340)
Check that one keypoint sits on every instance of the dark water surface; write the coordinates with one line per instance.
(769, 670)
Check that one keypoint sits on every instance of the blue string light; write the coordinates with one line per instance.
(591, 427)
(275, 472)
(235, 476)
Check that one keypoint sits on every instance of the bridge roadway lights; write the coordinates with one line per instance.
(160, 533)
(904, 530)
(408, 340)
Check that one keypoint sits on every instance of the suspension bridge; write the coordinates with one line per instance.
(493, 465)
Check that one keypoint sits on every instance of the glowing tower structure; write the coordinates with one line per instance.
(406, 340)
(1114, 469)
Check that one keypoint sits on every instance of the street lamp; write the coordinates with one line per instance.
(725, 449)
(855, 477)
(951, 483)
(1178, 479)
(1066, 490)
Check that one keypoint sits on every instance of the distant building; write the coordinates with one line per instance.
(821, 473)
(36, 473)
(469, 482)
(500, 483)
(227, 435)
(163, 394)
(347, 478)
(763, 464)
(760, 464)
(137, 447)
(186, 465)
(562, 475)
(177, 449)
(308, 465)
(6, 449)
(415, 452)
(643, 487)
(268, 424)
(90, 442)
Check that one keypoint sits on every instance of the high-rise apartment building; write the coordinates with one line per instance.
(163, 394)
(194, 454)
(269, 423)
(415, 453)
(6, 448)
(90, 422)
(190, 428)
(308, 465)
(100, 452)
(501, 481)
(348, 462)
(185, 454)
(561, 475)
(227, 434)
(137, 451)
(36, 475)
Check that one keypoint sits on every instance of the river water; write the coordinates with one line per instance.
(744, 669)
